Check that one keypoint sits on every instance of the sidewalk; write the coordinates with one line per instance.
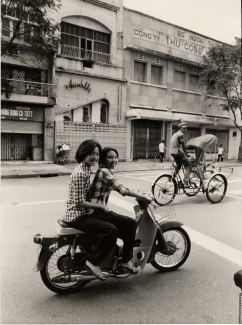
(27, 169)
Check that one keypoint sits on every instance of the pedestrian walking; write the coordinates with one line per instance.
(162, 150)
(220, 153)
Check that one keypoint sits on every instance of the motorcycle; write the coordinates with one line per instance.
(159, 241)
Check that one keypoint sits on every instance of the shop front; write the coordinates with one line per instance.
(21, 132)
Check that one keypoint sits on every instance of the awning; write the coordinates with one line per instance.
(156, 114)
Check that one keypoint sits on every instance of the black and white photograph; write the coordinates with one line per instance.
(121, 162)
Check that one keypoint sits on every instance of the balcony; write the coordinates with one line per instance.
(83, 54)
(28, 92)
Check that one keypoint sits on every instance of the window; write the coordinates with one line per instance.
(16, 28)
(103, 113)
(193, 82)
(156, 75)
(139, 71)
(179, 80)
(6, 27)
(85, 114)
(85, 43)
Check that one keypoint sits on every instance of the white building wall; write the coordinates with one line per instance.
(234, 142)
(96, 112)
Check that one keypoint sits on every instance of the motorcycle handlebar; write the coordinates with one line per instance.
(143, 203)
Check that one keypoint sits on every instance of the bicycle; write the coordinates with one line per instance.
(208, 180)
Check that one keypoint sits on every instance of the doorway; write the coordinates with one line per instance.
(15, 146)
(147, 136)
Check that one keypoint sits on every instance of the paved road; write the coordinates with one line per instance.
(202, 291)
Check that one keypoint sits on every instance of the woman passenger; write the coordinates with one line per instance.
(104, 182)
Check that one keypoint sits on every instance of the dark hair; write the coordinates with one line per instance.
(85, 148)
(104, 153)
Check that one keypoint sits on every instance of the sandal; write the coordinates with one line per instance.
(128, 267)
(95, 270)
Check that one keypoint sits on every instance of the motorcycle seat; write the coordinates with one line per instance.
(63, 228)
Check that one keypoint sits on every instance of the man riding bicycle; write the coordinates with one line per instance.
(178, 152)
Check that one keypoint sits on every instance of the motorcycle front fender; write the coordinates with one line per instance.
(165, 225)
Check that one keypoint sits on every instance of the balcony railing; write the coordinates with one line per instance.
(13, 86)
(82, 54)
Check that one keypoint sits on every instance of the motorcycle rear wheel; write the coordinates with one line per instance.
(52, 269)
(179, 240)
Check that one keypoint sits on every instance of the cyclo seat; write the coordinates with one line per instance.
(63, 228)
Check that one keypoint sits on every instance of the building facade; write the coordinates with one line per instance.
(27, 97)
(162, 65)
(119, 76)
(91, 92)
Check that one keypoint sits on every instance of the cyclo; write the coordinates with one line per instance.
(205, 177)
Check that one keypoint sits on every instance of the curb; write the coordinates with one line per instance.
(43, 175)
(55, 174)
(121, 170)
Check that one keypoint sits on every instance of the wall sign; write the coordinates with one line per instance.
(183, 40)
(25, 113)
(85, 85)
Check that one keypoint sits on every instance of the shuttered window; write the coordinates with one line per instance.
(179, 80)
(156, 75)
(139, 71)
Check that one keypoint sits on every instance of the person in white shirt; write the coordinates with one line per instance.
(220, 153)
(162, 150)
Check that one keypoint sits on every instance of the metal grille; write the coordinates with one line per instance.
(15, 146)
(5, 146)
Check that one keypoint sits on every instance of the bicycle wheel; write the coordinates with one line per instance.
(164, 189)
(216, 188)
(180, 245)
(195, 184)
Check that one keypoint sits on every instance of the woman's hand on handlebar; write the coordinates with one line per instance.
(147, 197)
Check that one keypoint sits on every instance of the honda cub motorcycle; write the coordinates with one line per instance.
(159, 241)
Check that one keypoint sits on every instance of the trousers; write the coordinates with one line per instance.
(105, 228)
(181, 159)
(162, 154)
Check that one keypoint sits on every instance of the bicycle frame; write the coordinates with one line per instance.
(178, 177)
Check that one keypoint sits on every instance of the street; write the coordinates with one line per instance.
(202, 291)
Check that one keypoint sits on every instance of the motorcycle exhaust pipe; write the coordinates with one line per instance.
(65, 278)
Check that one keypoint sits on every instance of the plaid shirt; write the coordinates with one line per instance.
(104, 182)
(78, 186)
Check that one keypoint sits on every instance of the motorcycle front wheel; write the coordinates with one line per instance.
(179, 245)
(57, 265)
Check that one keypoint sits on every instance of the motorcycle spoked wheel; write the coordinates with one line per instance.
(57, 265)
(180, 245)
